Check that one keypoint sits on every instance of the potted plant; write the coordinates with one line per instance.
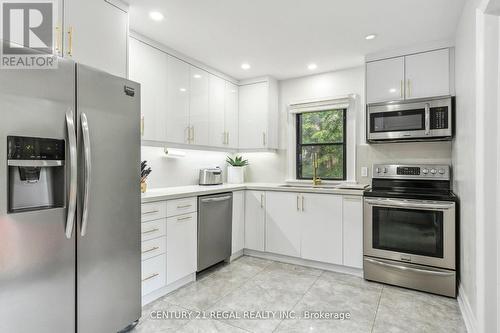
(236, 169)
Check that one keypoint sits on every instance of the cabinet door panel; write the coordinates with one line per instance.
(217, 97)
(385, 80)
(231, 114)
(253, 108)
(353, 231)
(428, 74)
(177, 112)
(198, 105)
(101, 41)
(238, 230)
(181, 246)
(283, 223)
(148, 66)
(321, 228)
(255, 202)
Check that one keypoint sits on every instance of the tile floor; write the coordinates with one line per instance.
(252, 284)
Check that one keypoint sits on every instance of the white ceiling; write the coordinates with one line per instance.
(280, 37)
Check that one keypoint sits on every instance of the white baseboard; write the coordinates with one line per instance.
(465, 308)
(305, 262)
(236, 255)
(146, 299)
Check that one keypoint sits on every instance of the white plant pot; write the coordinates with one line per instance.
(235, 175)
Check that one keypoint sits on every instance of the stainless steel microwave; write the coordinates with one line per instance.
(415, 120)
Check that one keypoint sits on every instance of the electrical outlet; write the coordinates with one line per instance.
(364, 172)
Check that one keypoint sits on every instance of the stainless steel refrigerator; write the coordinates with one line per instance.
(69, 201)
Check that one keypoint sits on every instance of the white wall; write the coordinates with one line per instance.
(352, 81)
(464, 147)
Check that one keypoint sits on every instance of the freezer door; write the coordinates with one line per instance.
(37, 260)
(108, 231)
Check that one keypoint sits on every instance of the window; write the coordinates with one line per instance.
(322, 133)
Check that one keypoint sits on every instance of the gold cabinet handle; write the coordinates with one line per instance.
(150, 277)
(192, 139)
(70, 41)
(298, 198)
(150, 250)
(402, 89)
(302, 203)
(183, 206)
(184, 218)
(142, 125)
(150, 212)
(150, 231)
(227, 138)
(409, 88)
(58, 39)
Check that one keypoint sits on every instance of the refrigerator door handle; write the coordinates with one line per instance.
(88, 170)
(70, 219)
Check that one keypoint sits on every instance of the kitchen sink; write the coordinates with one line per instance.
(319, 187)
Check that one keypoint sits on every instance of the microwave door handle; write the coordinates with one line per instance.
(427, 119)
(88, 170)
(408, 204)
(70, 219)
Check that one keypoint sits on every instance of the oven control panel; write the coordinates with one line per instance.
(424, 171)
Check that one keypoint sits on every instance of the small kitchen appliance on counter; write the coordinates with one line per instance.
(409, 228)
(210, 176)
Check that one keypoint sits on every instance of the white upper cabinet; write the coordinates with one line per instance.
(321, 225)
(385, 80)
(231, 114)
(418, 75)
(177, 108)
(258, 115)
(428, 74)
(148, 66)
(95, 33)
(217, 101)
(198, 106)
(283, 219)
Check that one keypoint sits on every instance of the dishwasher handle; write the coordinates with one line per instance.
(216, 199)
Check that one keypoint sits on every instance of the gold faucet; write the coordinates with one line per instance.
(316, 179)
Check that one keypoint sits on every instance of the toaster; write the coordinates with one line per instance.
(211, 176)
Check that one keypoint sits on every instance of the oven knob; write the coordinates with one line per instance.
(433, 171)
(385, 170)
(425, 171)
(441, 171)
(377, 170)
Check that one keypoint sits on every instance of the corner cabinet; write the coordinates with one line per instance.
(420, 75)
(95, 33)
(255, 220)
(258, 114)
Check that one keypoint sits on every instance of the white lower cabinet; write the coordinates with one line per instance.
(238, 227)
(321, 228)
(283, 223)
(353, 231)
(153, 274)
(181, 246)
(255, 219)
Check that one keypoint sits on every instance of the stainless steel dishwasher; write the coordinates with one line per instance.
(215, 217)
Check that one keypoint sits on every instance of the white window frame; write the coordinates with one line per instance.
(349, 102)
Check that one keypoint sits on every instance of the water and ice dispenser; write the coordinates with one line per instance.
(36, 177)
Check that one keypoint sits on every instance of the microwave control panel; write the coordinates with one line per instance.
(439, 117)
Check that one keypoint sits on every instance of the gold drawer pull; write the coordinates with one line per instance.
(183, 206)
(184, 218)
(150, 231)
(150, 277)
(151, 249)
(150, 212)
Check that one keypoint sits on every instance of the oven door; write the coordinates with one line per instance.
(415, 231)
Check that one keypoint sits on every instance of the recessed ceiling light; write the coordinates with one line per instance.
(312, 66)
(197, 76)
(182, 89)
(156, 16)
(370, 37)
(245, 66)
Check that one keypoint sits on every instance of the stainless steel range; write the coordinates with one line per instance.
(410, 228)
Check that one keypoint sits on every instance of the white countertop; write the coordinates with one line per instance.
(167, 193)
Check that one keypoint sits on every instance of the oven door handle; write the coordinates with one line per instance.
(409, 269)
(409, 204)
